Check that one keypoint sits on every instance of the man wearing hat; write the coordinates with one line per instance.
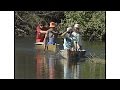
(77, 37)
(51, 35)
(68, 38)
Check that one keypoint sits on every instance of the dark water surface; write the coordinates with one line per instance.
(30, 63)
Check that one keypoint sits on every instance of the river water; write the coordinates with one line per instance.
(30, 63)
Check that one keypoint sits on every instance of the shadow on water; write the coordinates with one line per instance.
(31, 63)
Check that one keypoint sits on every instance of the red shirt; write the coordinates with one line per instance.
(40, 36)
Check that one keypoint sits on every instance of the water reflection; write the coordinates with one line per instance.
(67, 70)
(40, 60)
(71, 69)
(49, 66)
(45, 66)
(31, 63)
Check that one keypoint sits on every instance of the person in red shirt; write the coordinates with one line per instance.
(41, 31)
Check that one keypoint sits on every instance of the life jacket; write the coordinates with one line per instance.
(40, 36)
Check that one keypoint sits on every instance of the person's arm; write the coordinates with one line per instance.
(64, 34)
(60, 34)
(43, 31)
(45, 40)
(55, 32)
(46, 37)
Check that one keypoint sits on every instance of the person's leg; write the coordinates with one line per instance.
(80, 47)
(45, 47)
(76, 46)
(45, 44)
(68, 53)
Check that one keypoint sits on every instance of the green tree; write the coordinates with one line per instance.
(91, 22)
(26, 21)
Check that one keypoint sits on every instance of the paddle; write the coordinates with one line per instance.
(76, 46)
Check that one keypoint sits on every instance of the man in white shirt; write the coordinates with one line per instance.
(77, 37)
(68, 39)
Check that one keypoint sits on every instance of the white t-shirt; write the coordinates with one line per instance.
(77, 38)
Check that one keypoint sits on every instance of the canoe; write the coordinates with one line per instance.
(51, 48)
(68, 54)
(39, 43)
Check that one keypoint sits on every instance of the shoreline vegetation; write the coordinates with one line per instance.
(92, 23)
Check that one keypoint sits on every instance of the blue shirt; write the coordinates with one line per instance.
(52, 37)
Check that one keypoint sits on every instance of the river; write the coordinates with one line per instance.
(30, 63)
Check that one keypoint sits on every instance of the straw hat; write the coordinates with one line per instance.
(52, 24)
(76, 26)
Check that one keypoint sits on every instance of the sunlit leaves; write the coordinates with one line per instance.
(89, 21)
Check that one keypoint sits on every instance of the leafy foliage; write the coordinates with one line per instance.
(26, 21)
(92, 23)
